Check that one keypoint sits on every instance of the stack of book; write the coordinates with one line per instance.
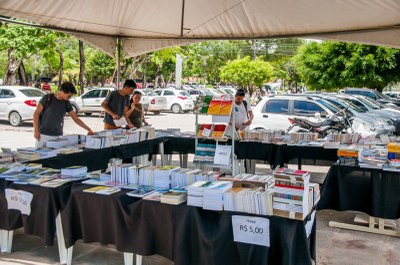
(57, 143)
(120, 173)
(174, 196)
(74, 171)
(186, 176)
(372, 158)
(303, 137)
(102, 190)
(141, 191)
(265, 136)
(348, 155)
(255, 200)
(162, 176)
(291, 197)
(195, 193)
(344, 138)
(214, 195)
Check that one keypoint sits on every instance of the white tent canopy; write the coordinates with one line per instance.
(148, 25)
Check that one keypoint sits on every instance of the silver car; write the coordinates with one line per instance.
(18, 103)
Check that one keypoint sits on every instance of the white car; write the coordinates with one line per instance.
(177, 100)
(18, 103)
(90, 102)
(273, 113)
(156, 103)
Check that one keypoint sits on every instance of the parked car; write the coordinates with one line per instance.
(392, 94)
(273, 112)
(363, 123)
(375, 110)
(18, 103)
(195, 93)
(90, 102)
(156, 103)
(177, 100)
(371, 93)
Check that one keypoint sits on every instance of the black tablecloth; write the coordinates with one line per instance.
(372, 191)
(184, 234)
(99, 158)
(45, 206)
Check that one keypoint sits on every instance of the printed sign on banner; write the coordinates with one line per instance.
(251, 230)
(309, 225)
(19, 200)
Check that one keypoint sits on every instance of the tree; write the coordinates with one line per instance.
(100, 66)
(164, 61)
(20, 43)
(81, 66)
(333, 65)
(246, 73)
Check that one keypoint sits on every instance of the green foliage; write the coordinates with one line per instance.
(332, 65)
(247, 73)
(100, 66)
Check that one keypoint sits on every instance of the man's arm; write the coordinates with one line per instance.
(36, 115)
(78, 121)
(126, 110)
(104, 105)
(251, 117)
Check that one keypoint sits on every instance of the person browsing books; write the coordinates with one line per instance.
(243, 113)
(116, 106)
(48, 118)
(135, 112)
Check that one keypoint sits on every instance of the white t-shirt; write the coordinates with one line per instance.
(241, 114)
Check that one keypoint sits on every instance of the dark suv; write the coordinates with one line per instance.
(371, 93)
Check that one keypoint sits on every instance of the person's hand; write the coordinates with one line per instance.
(133, 105)
(130, 125)
(248, 122)
(145, 123)
(37, 135)
(115, 117)
(90, 132)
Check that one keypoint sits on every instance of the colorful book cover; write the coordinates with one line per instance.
(202, 127)
(95, 189)
(226, 106)
(218, 131)
(205, 103)
(214, 107)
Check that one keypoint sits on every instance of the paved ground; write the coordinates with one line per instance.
(334, 246)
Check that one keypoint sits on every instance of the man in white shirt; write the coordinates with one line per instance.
(243, 113)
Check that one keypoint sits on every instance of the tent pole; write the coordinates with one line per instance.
(118, 61)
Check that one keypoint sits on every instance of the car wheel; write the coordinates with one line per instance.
(156, 112)
(176, 108)
(87, 113)
(15, 119)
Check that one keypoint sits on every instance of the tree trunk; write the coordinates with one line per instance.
(81, 66)
(12, 66)
(23, 79)
(58, 49)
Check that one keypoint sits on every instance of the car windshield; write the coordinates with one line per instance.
(347, 103)
(339, 104)
(150, 93)
(205, 92)
(356, 103)
(370, 103)
(184, 93)
(329, 105)
(31, 93)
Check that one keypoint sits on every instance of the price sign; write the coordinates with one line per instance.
(251, 230)
(19, 200)
(206, 132)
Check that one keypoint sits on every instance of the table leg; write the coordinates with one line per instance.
(370, 228)
(65, 254)
(6, 238)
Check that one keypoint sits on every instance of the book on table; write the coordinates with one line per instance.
(174, 197)
(141, 191)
